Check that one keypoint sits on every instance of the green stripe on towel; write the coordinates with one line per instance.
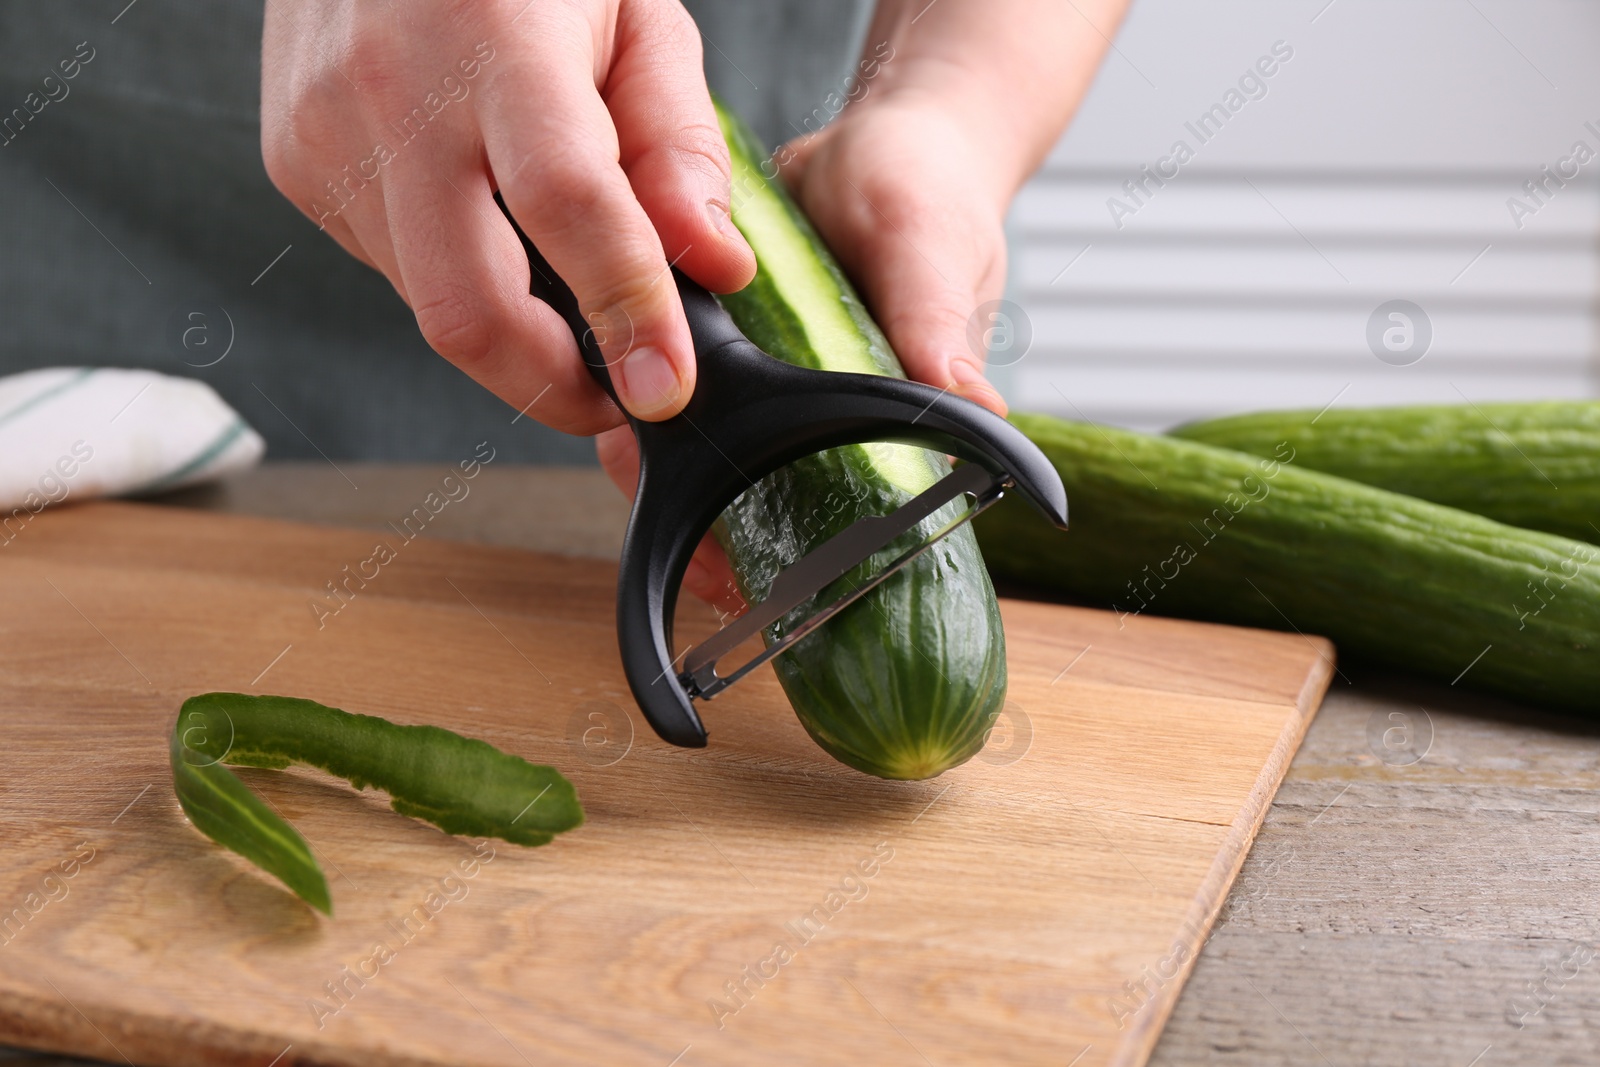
(45, 394)
(205, 456)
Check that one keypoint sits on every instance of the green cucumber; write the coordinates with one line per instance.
(906, 682)
(1529, 464)
(1179, 528)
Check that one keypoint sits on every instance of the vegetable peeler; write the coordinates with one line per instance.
(750, 415)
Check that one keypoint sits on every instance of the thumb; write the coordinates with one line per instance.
(929, 317)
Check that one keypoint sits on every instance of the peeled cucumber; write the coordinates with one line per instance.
(906, 682)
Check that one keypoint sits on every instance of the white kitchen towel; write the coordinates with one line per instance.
(81, 432)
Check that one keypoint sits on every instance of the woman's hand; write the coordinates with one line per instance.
(392, 127)
(910, 186)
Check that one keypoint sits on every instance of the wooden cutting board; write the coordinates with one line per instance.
(752, 902)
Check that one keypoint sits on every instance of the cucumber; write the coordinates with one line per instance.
(906, 682)
(1180, 528)
(1532, 464)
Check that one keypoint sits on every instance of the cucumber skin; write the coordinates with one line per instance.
(1391, 579)
(1480, 458)
(906, 682)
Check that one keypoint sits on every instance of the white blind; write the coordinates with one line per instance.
(1355, 178)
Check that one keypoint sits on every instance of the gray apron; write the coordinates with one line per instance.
(138, 227)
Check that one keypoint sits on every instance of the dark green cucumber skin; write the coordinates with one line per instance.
(906, 682)
(1528, 464)
(1390, 578)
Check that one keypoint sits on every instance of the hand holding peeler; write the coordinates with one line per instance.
(750, 415)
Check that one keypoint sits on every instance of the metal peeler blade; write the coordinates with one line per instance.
(829, 561)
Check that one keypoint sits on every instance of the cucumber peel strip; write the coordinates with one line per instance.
(461, 785)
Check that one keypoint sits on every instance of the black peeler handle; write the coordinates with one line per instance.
(749, 415)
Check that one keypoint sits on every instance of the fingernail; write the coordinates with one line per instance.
(647, 382)
(972, 385)
(723, 221)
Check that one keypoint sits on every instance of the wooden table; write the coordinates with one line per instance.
(1425, 889)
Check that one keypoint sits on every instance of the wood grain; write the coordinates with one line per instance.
(1008, 903)
(1395, 927)
(1409, 913)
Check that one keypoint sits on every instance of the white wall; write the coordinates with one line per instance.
(1377, 166)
